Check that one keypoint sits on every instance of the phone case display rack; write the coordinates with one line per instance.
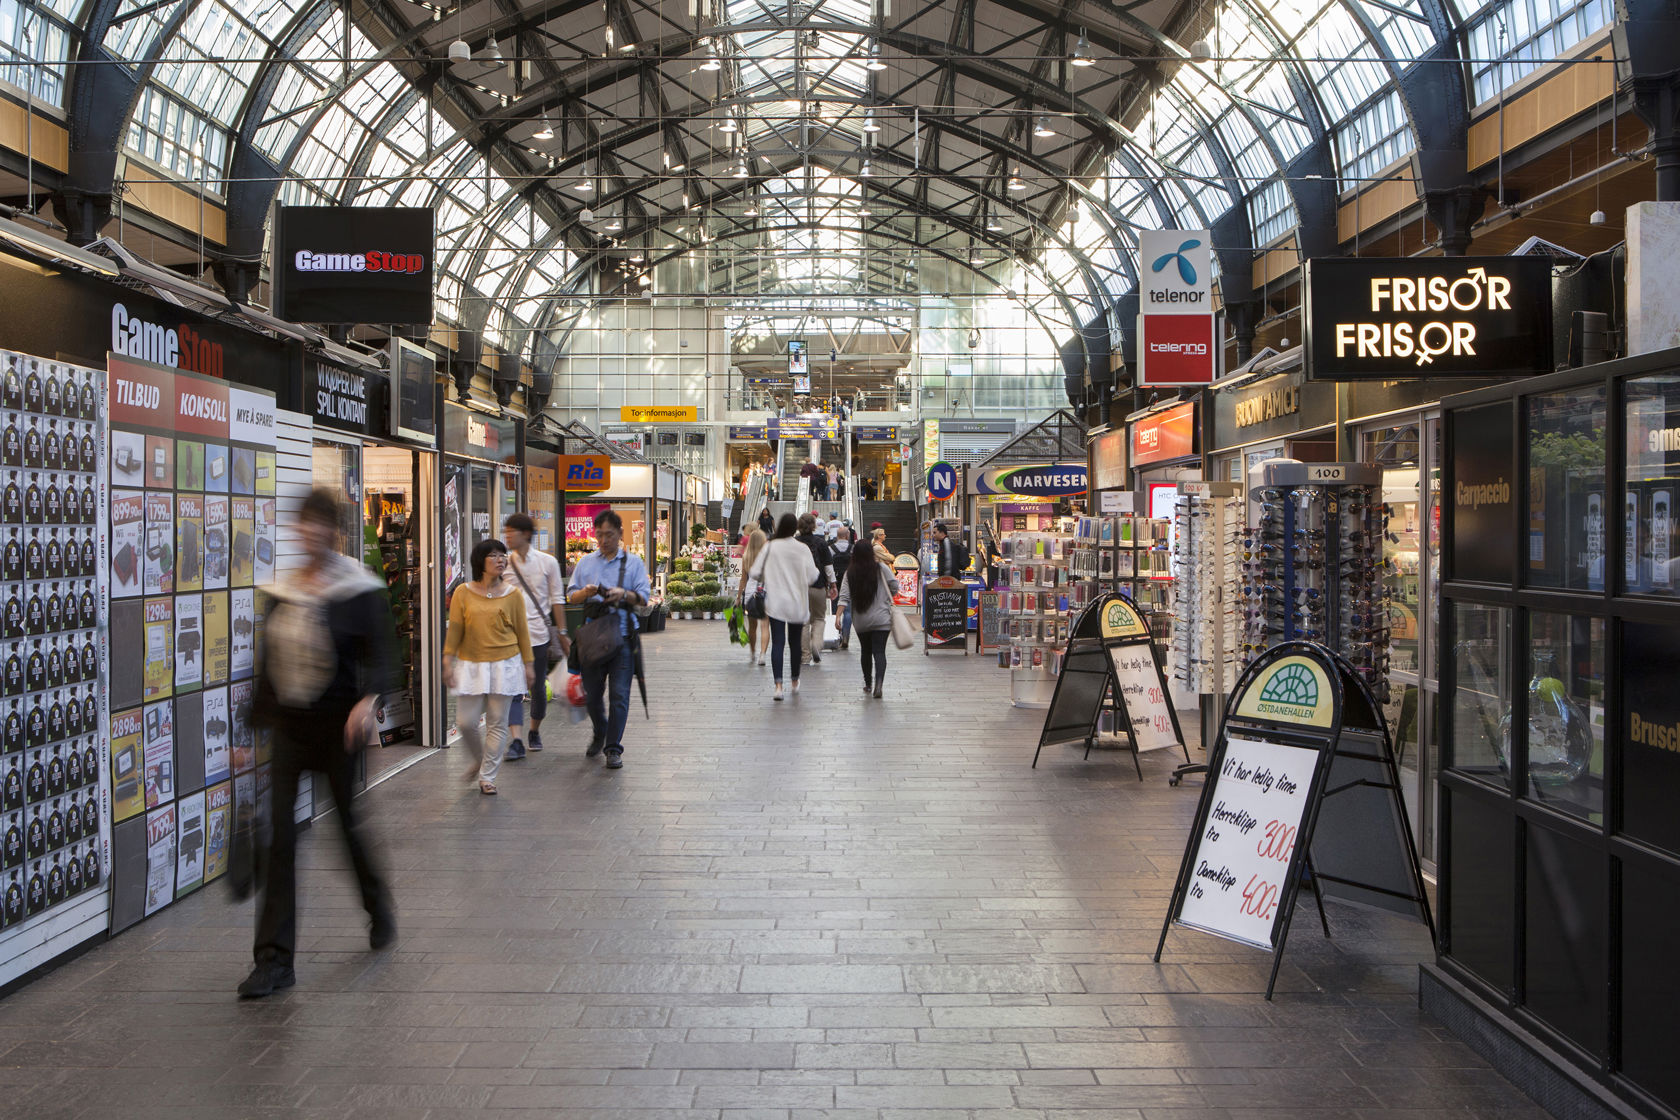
(1121, 554)
(1034, 589)
(399, 555)
(1208, 536)
(54, 825)
(1312, 563)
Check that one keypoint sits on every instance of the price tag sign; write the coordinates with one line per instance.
(1139, 683)
(1326, 472)
(1243, 851)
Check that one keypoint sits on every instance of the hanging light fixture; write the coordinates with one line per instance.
(460, 51)
(614, 224)
(1082, 51)
(728, 124)
(993, 225)
(870, 124)
(546, 132)
(751, 210)
(493, 49)
(1074, 216)
(584, 185)
(1015, 185)
(1042, 126)
(863, 172)
(1201, 51)
(740, 170)
(874, 62)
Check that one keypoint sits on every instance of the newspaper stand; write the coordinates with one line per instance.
(1110, 654)
(1302, 788)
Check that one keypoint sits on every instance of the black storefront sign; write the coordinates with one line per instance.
(1650, 770)
(478, 435)
(80, 319)
(354, 264)
(1408, 318)
(1278, 406)
(339, 398)
(1482, 461)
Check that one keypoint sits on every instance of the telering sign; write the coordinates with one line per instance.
(354, 264)
(1177, 343)
(1408, 318)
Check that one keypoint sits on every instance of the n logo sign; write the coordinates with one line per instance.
(941, 481)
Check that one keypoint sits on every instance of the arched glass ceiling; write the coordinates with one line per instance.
(1188, 141)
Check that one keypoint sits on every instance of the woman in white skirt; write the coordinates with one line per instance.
(487, 658)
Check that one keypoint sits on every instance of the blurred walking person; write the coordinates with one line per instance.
(840, 547)
(785, 569)
(867, 592)
(758, 629)
(487, 658)
(822, 588)
(537, 576)
(326, 658)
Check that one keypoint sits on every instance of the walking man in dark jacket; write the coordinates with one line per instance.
(822, 589)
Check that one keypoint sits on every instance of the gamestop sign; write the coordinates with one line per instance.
(354, 264)
(1411, 318)
(176, 345)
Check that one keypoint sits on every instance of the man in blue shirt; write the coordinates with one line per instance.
(614, 576)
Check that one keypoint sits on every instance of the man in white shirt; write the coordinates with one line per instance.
(537, 576)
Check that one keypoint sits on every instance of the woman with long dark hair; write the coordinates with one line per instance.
(487, 658)
(785, 569)
(867, 592)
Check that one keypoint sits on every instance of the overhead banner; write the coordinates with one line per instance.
(1164, 435)
(354, 264)
(1177, 343)
(1370, 318)
(1039, 480)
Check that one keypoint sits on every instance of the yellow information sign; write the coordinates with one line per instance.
(1121, 620)
(1293, 690)
(666, 414)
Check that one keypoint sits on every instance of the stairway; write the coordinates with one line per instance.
(795, 454)
(897, 518)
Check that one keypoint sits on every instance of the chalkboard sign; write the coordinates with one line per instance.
(992, 620)
(945, 614)
(1302, 774)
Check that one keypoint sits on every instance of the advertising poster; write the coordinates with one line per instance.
(158, 670)
(160, 858)
(189, 843)
(218, 730)
(244, 742)
(216, 524)
(189, 542)
(128, 795)
(243, 625)
(128, 460)
(189, 643)
(218, 829)
(266, 482)
(160, 462)
(243, 548)
(243, 473)
(159, 576)
(451, 534)
(159, 738)
(265, 543)
(217, 650)
(216, 468)
(128, 542)
(189, 465)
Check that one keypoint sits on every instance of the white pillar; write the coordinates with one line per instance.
(1653, 276)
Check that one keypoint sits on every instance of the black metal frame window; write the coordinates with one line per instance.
(1560, 773)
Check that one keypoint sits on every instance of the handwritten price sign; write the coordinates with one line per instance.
(1146, 701)
(1242, 855)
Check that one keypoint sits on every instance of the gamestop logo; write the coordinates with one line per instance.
(178, 347)
(401, 264)
(1176, 349)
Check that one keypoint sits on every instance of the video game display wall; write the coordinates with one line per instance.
(53, 816)
(191, 536)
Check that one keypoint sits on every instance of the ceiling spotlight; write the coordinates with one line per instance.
(874, 62)
(1082, 52)
(870, 124)
(1015, 185)
(546, 132)
(460, 51)
(586, 214)
(740, 170)
(1201, 51)
(1042, 126)
(1598, 218)
(493, 49)
(727, 125)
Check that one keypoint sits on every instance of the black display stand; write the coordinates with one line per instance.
(1302, 788)
(944, 615)
(1109, 631)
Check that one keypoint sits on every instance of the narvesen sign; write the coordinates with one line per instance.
(1043, 480)
(1373, 318)
(353, 264)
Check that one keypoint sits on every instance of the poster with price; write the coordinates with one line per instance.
(1139, 683)
(1241, 859)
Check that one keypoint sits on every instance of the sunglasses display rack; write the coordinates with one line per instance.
(1035, 594)
(1207, 637)
(1312, 563)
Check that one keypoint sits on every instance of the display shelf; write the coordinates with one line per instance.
(1206, 543)
(1034, 590)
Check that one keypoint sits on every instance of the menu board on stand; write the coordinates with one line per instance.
(945, 614)
(192, 534)
(1302, 785)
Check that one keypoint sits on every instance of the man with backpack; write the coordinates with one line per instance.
(950, 553)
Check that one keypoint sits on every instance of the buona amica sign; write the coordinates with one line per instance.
(1392, 319)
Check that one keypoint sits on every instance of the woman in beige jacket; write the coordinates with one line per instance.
(758, 629)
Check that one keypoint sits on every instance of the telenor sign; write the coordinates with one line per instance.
(1041, 480)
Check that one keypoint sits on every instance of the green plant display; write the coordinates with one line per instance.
(1554, 449)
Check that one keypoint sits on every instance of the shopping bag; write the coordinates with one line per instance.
(903, 635)
(736, 617)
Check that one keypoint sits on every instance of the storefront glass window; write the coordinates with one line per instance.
(338, 467)
(1653, 481)
(1566, 515)
(1395, 450)
(1482, 695)
(1566, 713)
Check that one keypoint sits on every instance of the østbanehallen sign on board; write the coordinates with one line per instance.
(1373, 318)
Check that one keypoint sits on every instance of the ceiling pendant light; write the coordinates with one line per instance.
(740, 170)
(863, 172)
(614, 224)
(728, 125)
(751, 210)
(585, 185)
(493, 49)
(1042, 126)
(1082, 51)
(870, 124)
(1201, 51)
(460, 51)
(1015, 185)
(1074, 216)
(874, 62)
(712, 61)
(546, 132)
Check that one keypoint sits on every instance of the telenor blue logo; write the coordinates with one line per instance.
(1185, 269)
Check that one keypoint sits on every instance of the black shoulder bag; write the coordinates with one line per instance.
(601, 639)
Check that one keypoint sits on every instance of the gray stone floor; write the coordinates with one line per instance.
(830, 907)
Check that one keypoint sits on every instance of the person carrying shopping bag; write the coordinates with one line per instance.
(537, 575)
(785, 569)
(487, 658)
(867, 592)
(613, 585)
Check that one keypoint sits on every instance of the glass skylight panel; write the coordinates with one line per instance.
(1373, 139)
(138, 29)
(171, 135)
(1271, 212)
(1534, 31)
(30, 36)
(1406, 37)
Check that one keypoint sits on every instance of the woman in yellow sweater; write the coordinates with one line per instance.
(487, 658)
